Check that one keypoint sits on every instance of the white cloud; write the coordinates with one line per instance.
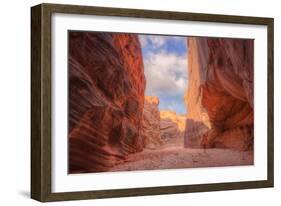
(166, 73)
(143, 40)
(165, 69)
(157, 41)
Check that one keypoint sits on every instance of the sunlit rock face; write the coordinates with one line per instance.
(106, 99)
(171, 124)
(197, 122)
(220, 93)
(151, 123)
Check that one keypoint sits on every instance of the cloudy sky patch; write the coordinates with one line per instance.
(165, 65)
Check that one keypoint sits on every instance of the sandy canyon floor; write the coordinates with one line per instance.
(172, 155)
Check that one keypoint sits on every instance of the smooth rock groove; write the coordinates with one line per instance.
(106, 99)
(220, 93)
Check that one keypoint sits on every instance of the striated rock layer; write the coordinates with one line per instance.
(220, 93)
(106, 99)
(151, 123)
(171, 124)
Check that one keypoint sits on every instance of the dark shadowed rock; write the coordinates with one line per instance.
(194, 132)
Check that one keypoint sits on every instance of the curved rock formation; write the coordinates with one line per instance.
(106, 99)
(171, 124)
(151, 123)
(220, 93)
(197, 122)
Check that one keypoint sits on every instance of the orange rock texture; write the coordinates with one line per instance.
(106, 99)
(151, 123)
(220, 93)
(172, 125)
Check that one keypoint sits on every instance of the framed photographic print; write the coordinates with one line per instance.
(130, 102)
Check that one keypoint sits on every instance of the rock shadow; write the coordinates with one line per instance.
(194, 131)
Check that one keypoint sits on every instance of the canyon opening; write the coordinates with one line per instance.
(146, 102)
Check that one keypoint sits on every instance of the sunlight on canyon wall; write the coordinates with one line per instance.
(220, 93)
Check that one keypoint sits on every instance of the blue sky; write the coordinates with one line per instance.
(165, 67)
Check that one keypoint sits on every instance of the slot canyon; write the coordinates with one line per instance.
(114, 126)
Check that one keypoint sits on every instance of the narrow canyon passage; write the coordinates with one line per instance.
(139, 102)
(175, 146)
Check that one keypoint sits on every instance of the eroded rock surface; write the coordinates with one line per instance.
(106, 99)
(220, 93)
(171, 124)
(151, 123)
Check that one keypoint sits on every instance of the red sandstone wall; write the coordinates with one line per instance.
(151, 123)
(220, 93)
(106, 99)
